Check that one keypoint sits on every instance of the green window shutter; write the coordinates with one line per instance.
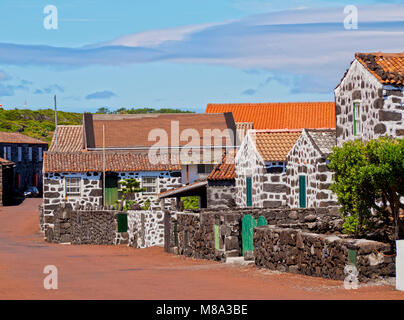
(111, 190)
(302, 191)
(122, 222)
(249, 191)
(217, 237)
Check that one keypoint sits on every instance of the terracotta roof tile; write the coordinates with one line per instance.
(14, 137)
(93, 161)
(70, 139)
(224, 170)
(289, 115)
(5, 162)
(388, 68)
(133, 130)
(274, 145)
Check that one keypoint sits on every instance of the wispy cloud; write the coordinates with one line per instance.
(249, 92)
(293, 45)
(101, 95)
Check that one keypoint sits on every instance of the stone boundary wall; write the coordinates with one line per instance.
(196, 236)
(82, 226)
(291, 250)
(145, 228)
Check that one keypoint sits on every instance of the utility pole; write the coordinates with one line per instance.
(56, 126)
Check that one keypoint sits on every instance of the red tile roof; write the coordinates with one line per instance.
(5, 162)
(388, 68)
(275, 145)
(126, 131)
(70, 139)
(289, 115)
(224, 170)
(14, 137)
(93, 162)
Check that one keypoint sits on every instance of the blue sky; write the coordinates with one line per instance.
(184, 53)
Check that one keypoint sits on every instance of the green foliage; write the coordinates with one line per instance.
(146, 205)
(122, 110)
(369, 177)
(129, 187)
(38, 124)
(191, 202)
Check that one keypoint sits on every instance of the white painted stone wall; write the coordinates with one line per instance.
(305, 159)
(268, 189)
(382, 106)
(91, 189)
(146, 228)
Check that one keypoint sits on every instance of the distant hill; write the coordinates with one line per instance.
(40, 124)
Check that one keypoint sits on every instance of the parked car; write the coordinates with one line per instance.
(31, 192)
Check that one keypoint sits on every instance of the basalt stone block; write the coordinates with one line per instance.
(321, 177)
(389, 116)
(272, 204)
(400, 132)
(340, 131)
(396, 100)
(96, 193)
(378, 103)
(337, 109)
(322, 168)
(356, 95)
(397, 93)
(275, 188)
(380, 128)
(322, 195)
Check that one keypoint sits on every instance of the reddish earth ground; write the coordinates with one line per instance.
(120, 272)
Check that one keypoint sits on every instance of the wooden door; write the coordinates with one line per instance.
(111, 189)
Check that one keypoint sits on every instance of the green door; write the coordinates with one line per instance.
(111, 189)
(247, 230)
(302, 191)
(249, 192)
(122, 222)
(261, 221)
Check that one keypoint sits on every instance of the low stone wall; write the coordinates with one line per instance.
(41, 218)
(82, 226)
(291, 250)
(195, 231)
(146, 228)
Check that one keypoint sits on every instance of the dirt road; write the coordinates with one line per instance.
(120, 272)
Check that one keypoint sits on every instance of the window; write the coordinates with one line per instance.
(73, 187)
(150, 184)
(30, 153)
(205, 168)
(275, 167)
(7, 153)
(39, 154)
(357, 129)
(19, 154)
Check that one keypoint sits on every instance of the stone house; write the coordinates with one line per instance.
(27, 155)
(217, 191)
(124, 146)
(308, 178)
(260, 168)
(6, 181)
(369, 100)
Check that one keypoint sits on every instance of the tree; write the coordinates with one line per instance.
(369, 182)
(103, 110)
(130, 186)
(190, 202)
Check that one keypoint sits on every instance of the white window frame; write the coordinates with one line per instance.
(357, 118)
(19, 152)
(77, 185)
(150, 184)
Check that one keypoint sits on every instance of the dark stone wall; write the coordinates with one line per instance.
(291, 250)
(82, 226)
(195, 230)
